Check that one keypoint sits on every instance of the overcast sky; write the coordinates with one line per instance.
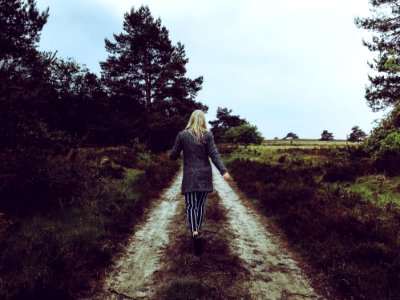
(284, 65)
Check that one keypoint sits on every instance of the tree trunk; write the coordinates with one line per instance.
(148, 85)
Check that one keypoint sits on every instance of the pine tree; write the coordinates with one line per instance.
(384, 87)
(146, 67)
(225, 120)
(20, 27)
(143, 62)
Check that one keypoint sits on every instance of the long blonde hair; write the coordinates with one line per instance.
(197, 124)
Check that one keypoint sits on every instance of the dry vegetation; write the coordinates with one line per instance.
(216, 274)
(314, 196)
(60, 244)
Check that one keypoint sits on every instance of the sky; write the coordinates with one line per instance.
(284, 66)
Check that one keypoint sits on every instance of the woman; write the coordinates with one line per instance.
(197, 144)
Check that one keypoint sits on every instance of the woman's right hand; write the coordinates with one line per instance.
(226, 176)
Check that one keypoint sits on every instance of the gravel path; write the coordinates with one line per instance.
(274, 272)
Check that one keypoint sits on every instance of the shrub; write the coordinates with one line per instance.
(338, 171)
(58, 251)
(226, 148)
(353, 242)
(243, 134)
(387, 157)
(37, 181)
(282, 158)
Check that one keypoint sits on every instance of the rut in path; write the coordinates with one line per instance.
(274, 273)
(131, 277)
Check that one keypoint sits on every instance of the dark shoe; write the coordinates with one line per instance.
(197, 245)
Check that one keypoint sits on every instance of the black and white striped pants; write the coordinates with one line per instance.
(195, 209)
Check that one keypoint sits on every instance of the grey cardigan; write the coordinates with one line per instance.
(197, 175)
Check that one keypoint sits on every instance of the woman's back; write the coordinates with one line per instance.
(197, 175)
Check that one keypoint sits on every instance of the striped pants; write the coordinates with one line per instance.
(195, 209)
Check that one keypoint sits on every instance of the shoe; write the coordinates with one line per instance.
(197, 244)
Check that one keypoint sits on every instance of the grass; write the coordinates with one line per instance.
(351, 240)
(334, 208)
(310, 151)
(186, 289)
(303, 143)
(380, 193)
(61, 251)
(217, 274)
(125, 184)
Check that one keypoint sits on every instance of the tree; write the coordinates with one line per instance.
(143, 63)
(225, 120)
(144, 66)
(243, 134)
(291, 135)
(357, 134)
(20, 62)
(384, 88)
(326, 136)
(22, 70)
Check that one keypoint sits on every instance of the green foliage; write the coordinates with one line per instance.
(382, 143)
(225, 121)
(391, 143)
(326, 136)
(145, 68)
(387, 156)
(384, 87)
(244, 134)
(378, 189)
(291, 135)
(356, 134)
(21, 24)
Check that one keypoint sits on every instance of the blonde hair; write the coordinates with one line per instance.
(197, 124)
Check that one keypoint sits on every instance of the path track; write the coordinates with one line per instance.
(275, 274)
(131, 277)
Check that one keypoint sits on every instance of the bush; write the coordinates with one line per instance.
(36, 181)
(226, 148)
(243, 134)
(340, 171)
(57, 252)
(353, 242)
(387, 157)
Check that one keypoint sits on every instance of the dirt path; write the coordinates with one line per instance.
(266, 269)
(217, 274)
(275, 274)
(131, 277)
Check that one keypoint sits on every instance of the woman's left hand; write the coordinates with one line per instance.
(226, 176)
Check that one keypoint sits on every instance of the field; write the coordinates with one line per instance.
(333, 206)
(375, 187)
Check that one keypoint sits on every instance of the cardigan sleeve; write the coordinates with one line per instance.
(214, 155)
(176, 150)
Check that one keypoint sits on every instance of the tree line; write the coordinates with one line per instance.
(143, 91)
